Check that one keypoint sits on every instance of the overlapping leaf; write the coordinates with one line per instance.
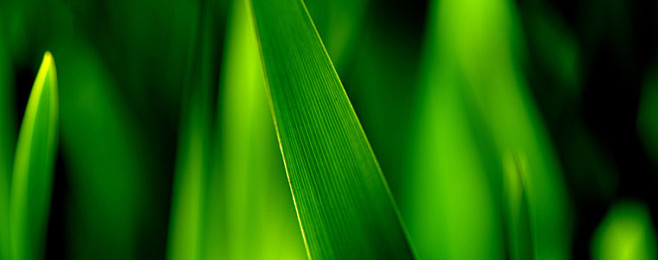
(343, 203)
(249, 211)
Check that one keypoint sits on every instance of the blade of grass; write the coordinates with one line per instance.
(106, 159)
(6, 142)
(451, 206)
(383, 83)
(188, 197)
(556, 48)
(249, 211)
(647, 122)
(515, 207)
(343, 204)
(480, 42)
(33, 166)
(476, 107)
(626, 233)
(188, 193)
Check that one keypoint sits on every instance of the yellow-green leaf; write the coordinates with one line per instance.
(250, 212)
(626, 233)
(33, 166)
(188, 198)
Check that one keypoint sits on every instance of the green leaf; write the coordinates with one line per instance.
(34, 165)
(451, 206)
(626, 233)
(482, 43)
(107, 161)
(338, 22)
(343, 203)
(249, 213)
(476, 113)
(516, 208)
(7, 146)
(188, 198)
(188, 194)
(647, 122)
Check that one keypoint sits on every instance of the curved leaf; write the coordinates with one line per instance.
(34, 165)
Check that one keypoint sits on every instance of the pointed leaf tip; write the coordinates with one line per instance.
(34, 166)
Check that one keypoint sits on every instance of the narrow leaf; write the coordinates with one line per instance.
(343, 203)
(451, 206)
(515, 207)
(7, 135)
(475, 58)
(249, 213)
(107, 161)
(33, 166)
(647, 122)
(187, 211)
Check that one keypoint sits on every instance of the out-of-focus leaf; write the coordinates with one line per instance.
(555, 48)
(647, 121)
(34, 165)
(249, 213)
(110, 208)
(338, 23)
(475, 112)
(343, 203)
(451, 207)
(485, 51)
(7, 146)
(188, 197)
(515, 207)
(626, 233)
(381, 78)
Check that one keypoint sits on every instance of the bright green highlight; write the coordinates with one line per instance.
(451, 208)
(33, 166)
(484, 38)
(515, 206)
(476, 111)
(187, 211)
(626, 233)
(343, 203)
(250, 213)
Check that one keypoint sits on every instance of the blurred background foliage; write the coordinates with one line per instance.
(505, 129)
